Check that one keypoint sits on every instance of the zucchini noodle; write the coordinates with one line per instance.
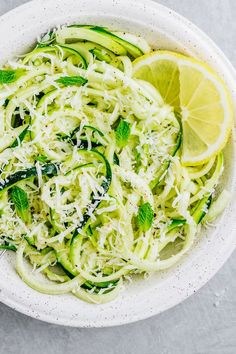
(92, 187)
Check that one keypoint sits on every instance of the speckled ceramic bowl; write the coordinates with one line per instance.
(162, 28)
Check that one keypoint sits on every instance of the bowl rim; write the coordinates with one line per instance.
(11, 302)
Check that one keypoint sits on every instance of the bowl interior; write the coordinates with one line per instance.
(163, 29)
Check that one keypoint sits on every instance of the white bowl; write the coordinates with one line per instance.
(163, 28)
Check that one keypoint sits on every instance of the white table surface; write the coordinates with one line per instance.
(203, 324)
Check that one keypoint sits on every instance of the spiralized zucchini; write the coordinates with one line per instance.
(92, 187)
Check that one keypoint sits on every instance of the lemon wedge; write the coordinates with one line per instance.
(198, 93)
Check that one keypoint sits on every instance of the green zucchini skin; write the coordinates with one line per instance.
(78, 33)
(83, 143)
(164, 167)
(64, 268)
(49, 170)
(76, 53)
(95, 201)
(98, 54)
(132, 49)
(90, 127)
(66, 265)
(200, 210)
(198, 213)
(116, 160)
(20, 137)
(98, 286)
(176, 223)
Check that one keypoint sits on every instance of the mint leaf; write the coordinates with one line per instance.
(7, 246)
(72, 80)
(145, 217)
(41, 158)
(8, 76)
(122, 133)
(20, 199)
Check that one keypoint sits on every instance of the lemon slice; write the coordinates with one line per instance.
(198, 93)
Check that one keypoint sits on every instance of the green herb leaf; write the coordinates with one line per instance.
(8, 247)
(72, 80)
(8, 76)
(122, 133)
(145, 217)
(20, 199)
(41, 158)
